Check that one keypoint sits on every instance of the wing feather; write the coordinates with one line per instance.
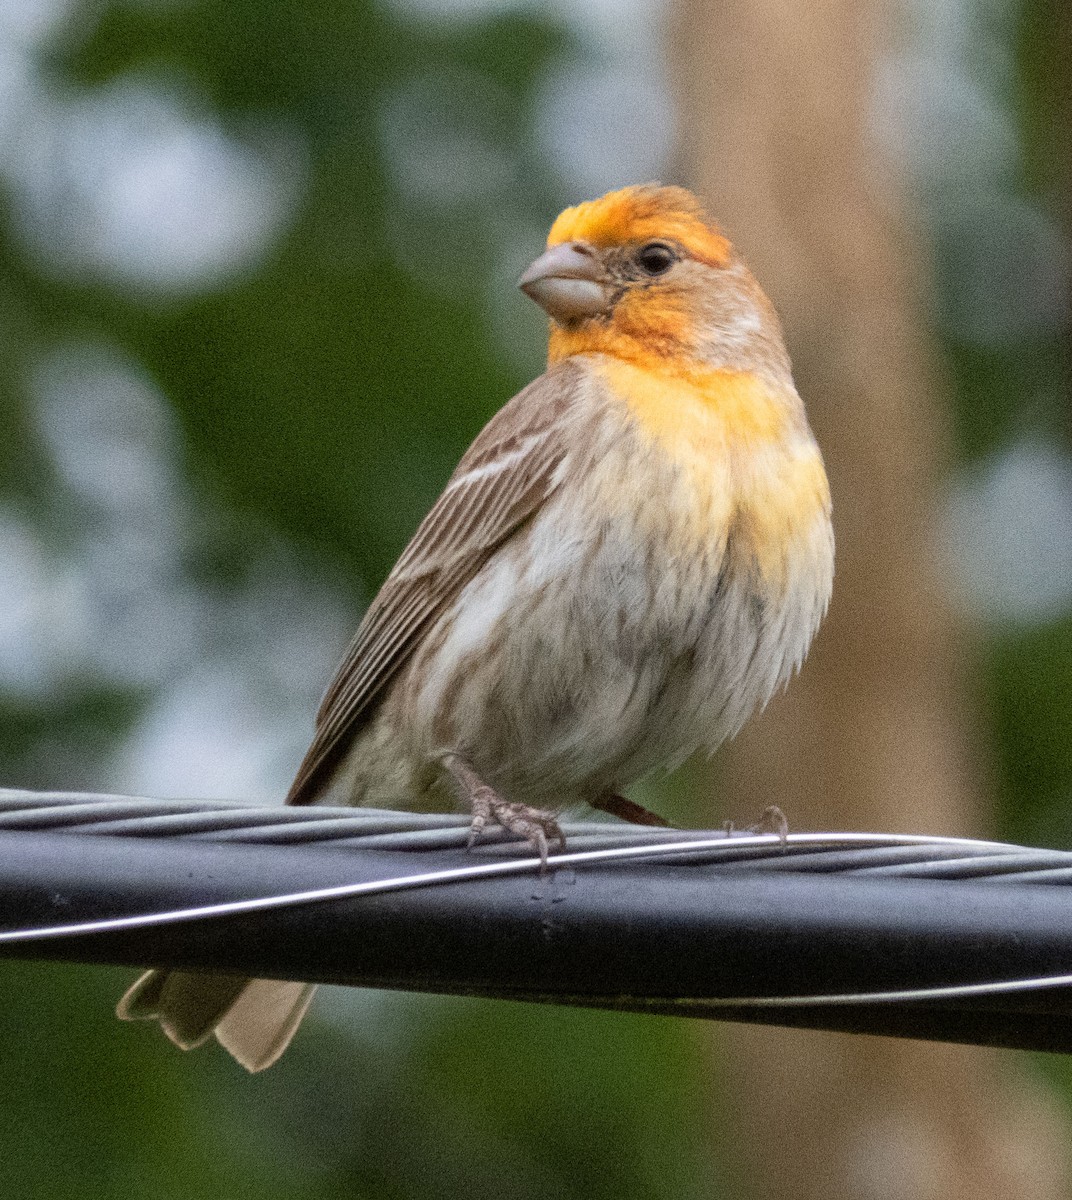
(501, 481)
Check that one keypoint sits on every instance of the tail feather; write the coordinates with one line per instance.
(254, 1019)
(259, 1025)
(141, 1001)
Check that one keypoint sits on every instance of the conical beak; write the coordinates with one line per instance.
(568, 282)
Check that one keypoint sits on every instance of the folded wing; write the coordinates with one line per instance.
(500, 483)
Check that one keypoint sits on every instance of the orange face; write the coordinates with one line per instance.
(636, 274)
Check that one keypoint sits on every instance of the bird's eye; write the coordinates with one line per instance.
(656, 258)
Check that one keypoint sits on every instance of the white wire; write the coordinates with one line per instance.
(949, 991)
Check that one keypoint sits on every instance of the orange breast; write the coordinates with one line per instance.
(744, 446)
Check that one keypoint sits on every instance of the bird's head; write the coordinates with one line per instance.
(643, 274)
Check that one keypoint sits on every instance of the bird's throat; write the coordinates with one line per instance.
(693, 405)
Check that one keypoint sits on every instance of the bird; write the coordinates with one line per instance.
(631, 558)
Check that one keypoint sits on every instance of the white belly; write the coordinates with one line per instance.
(582, 656)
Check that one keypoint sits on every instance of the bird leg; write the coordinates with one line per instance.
(629, 810)
(533, 824)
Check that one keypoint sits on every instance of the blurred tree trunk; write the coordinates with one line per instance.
(775, 99)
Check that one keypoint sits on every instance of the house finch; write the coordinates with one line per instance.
(633, 555)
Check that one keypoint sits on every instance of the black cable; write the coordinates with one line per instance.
(825, 931)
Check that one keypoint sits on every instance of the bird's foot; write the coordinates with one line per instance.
(629, 810)
(772, 820)
(534, 824)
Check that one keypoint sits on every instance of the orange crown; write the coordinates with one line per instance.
(640, 213)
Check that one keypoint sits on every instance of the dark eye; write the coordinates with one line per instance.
(656, 258)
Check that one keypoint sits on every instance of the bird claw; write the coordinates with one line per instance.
(772, 820)
(536, 826)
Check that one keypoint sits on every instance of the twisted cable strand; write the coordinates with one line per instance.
(871, 855)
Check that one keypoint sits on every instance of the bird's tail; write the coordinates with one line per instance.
(254, 1019)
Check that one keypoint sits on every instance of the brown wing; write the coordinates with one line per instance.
(503, 478)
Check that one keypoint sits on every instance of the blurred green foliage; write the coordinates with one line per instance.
(1029, 671)
(313, 386)
(488, 1100)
